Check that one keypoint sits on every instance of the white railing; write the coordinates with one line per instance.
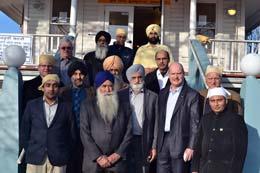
(45, 43)
(33, 44)
(228, 53)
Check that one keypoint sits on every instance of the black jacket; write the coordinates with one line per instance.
(150, 124)
(184, 122)
(151, 82)
(39, 140)
(222, 143)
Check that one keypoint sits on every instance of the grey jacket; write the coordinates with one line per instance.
(99, 138)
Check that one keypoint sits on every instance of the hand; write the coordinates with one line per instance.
(113, 158)
(152, 155)
(188, 153)
(103, 162)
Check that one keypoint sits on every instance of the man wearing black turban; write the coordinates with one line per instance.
(76, 93)
(96, 58)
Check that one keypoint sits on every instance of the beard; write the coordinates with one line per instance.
(118, 82)
(108, 105)
(153, 40)
(137, 87)
(101, 52)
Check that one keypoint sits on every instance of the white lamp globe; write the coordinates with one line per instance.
(250, 64)
(14, 56)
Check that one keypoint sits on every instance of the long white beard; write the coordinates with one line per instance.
(108, 105)
(101, 52)
(137, 87)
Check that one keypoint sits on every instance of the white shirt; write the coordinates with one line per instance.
(171, 102)
(162, 80)
(50, 110)
(137, 104)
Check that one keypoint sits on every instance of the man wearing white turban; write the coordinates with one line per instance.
(213, 76)
(146, 53)
(222, 142)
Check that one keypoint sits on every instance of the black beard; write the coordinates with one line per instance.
(153, 40)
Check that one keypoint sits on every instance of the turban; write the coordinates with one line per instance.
(105, 34)
(46, 59)
(121, 31)
(113, 61)
(213, 69)
(49, 77)
(136, 68)
(77, 65)
(153, 27)
(218, 91)
(102, 76)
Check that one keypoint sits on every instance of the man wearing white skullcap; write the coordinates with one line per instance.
(213, 76)
(47, 123)
(222, 142)
(145, 54)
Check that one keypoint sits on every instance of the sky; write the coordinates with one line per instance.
(7, 25)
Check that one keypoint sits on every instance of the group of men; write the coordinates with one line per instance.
(140, 117)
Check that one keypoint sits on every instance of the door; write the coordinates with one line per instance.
(120, 17)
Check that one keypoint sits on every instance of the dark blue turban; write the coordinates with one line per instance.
(102, 76)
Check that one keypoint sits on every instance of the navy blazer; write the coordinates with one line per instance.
(39, 140)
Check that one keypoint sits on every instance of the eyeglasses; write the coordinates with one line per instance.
(101, 40)
(46, 66)
(68, 48)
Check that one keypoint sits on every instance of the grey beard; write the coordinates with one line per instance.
(118, 82)
(108, 106)
(101, 52)
(137, 87)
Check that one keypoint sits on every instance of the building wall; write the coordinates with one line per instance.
(91, 19)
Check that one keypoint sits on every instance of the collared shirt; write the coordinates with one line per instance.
(50, 110)
(137, 104)
(145, 54)
(64, 66)
(162, 80)
(171, 102)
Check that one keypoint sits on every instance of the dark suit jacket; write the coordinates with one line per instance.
(100, 138)
(150, 124)
(94, 65)
(40, 140)
(30, 90)
(151, 82)
(184, 122)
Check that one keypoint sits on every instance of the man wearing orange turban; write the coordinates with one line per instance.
(114, 65)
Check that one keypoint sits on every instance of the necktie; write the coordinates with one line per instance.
(76, 105)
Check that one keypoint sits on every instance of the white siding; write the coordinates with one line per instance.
(39, 16)
(177, 30)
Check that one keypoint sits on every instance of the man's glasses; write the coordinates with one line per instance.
(68, 48)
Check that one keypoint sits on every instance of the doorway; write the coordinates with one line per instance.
(144, 16)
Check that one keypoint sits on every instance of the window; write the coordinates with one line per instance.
(206, 19)
(61, 11)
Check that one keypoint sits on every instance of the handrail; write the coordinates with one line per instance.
(197, 62)
(237, 41)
